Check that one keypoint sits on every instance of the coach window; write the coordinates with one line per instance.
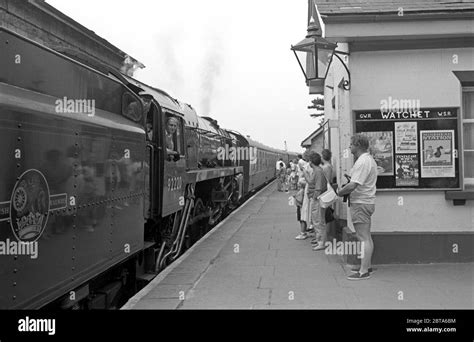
(468, 137)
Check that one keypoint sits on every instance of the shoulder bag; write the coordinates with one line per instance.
(327, 198)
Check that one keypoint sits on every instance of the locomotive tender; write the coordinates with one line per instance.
(109, 178)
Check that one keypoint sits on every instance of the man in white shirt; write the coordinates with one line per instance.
(280, 174)
(362, 188)
(278, 166)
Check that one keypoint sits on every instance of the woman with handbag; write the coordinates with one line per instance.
(316, 186)
(299, 200)
(331, 179)
(304, 212)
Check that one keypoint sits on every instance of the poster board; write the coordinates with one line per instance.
(413, 149)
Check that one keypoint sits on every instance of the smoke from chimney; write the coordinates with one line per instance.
(211, 70)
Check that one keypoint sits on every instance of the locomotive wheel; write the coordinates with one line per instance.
(167, 240)
(217, 212)
(194, 230)
(198, 208)
(234, 200)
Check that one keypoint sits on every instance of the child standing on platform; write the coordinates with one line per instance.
(299, 199)
(287, 179)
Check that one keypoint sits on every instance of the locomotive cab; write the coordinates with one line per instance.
(173, 137)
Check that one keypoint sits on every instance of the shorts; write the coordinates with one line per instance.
(361, 213)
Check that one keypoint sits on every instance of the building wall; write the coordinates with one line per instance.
(408, 74)
(424, 75)
(422, 211)
(414, 60)
(317, 143)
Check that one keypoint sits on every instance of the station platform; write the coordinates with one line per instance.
(251, 260)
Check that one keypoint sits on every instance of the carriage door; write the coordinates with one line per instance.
(153, 151)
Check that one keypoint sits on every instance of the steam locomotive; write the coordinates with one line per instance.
(97, 193)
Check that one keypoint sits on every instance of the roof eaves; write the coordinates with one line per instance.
(47, 8)
(312, 135)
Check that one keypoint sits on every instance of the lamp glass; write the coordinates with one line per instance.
(324, 59)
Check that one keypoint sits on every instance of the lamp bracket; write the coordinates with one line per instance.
(346, 84)
(342, 52)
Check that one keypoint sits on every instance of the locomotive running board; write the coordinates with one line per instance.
(203, 175)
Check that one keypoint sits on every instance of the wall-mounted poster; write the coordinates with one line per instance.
(406, 137)
(437, 157)
(381, 148)
(423, 144)
(407, 170)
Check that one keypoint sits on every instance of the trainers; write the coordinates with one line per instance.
(356, 270)
(358, 276)
(319, 247)
(301, 237)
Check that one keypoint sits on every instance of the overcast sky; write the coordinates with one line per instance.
(230, 60)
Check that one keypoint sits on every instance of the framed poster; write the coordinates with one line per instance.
(437, 153)
(407, 170)
(406, 137)
(381, 148)
(413, 149)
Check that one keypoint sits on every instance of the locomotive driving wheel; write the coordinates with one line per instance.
(234, 199)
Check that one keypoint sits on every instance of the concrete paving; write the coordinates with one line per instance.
(252, 261)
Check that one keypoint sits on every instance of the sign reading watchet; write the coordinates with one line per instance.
(422, 114)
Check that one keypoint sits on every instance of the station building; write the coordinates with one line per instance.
(315, 141)
(405, 78)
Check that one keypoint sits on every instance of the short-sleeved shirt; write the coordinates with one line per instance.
(301, 165)
(316, 183)
(169, 142)
(278, 165)
(364, 173)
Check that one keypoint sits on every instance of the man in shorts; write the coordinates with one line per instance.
(362, 188)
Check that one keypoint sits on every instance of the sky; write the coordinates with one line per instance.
(229, 60)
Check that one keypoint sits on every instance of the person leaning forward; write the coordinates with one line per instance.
(170, 130)
(362, 188)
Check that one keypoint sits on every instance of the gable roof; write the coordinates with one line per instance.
(313, 135)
